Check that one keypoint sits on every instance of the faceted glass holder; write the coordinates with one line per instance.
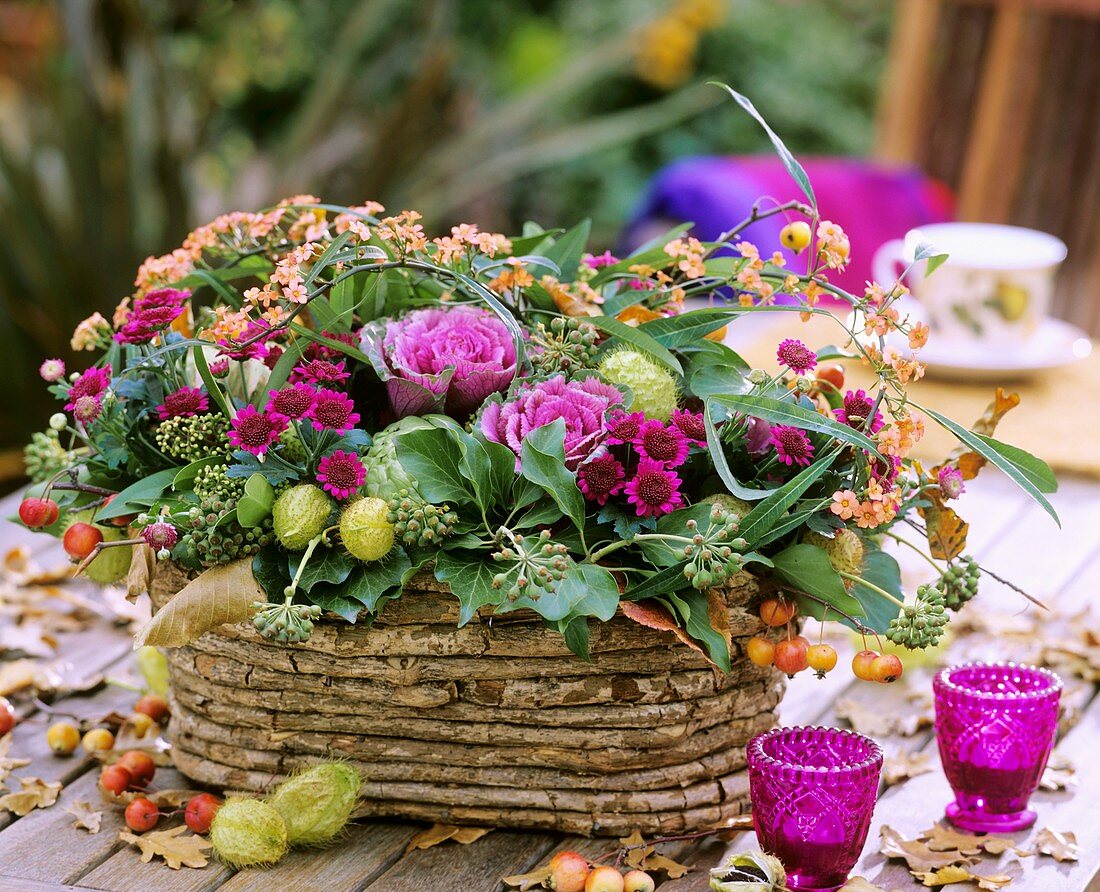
(813, 793)
(995, 725)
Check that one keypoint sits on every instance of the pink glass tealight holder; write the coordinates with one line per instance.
(995, 725)
(813, 792)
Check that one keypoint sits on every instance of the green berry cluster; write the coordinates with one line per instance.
(415, 523)
(44, 456)
(189, 439)
(212, 539)
(537, 566)
(212, 483)
(285, 623)
(922, 623)
(959, 582)
(713, 554)
(568, 345)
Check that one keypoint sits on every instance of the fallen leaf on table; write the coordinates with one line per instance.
(535, 879)
(439, 833)
(36, 793)
(941, 838)
(29, 638)
(8, 764)
(86, 817)
(161, 798)
(1058, 775)
(947, 875)
(640, 855)
(917, 854)
(902, 766)
(176, 850)
(859, 884)
(1060, 845)
(16, 675)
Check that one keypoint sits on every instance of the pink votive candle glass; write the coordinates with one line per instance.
(995, 725)
(813, 792)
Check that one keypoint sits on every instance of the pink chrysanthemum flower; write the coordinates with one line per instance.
(885, 468)
(332, 410)
(186, 402)
(255, 431)
(598, 261)
(317, 350)
(951, 482)
(219, 368)
(661, 444)
(151, 314)
(52, 370)
(655, 490)
(796, 356)
(294, 402)
(87, 409)
(857, 406)
(341, 474)
(160, 535)
(601, 477)
(792, 446)
(237, 348)
(320, 371)
(92, 383)
(691, 425)
(623, 427)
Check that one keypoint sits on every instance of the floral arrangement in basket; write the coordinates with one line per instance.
(327, 400)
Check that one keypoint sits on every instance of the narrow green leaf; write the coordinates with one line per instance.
(687, 328)
(211, 385)
(671, 579)
(138, 496)
(322, 262)
(567, 250)
(765, 515)
(635, 337)
(786, 412)
(348, 350)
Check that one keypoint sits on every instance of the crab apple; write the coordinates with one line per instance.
(790, 656)
(604, 879)
(7, 716)
(760, 650)
(638, 881)
(777, 612)
(62, 738)
(821, 658)
(795, 236)
(140, 722)
(80, 540)
(140, 765)
(200, 811)
(831, 374)
(154, 706)
(568, 871)
(116, 779)
(886, 668)
(97, 739)
(142, 814)
(861, 665)
(38, 513)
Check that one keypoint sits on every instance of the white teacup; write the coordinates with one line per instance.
(995, 287)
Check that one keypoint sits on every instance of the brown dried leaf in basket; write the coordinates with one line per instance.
(439, 833)
(654, 615)
(221, 595)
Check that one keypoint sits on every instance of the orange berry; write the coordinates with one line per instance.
(604, 879)
(777, 612)
(795, 236)
(821, 658)
(886, 668)
(790, 656)
(115, 779)
(62, 738)
(80, 540)
(832, 375)
(760, 650)
(7, 716)
(638, 881)
(861, 665)
(200, 811)
(142, 814)
(97, 739)
(153, 706)
(568, 872)
(140, 765)
(140, 722)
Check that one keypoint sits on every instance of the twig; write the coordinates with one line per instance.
(740, 822)
(757, 214)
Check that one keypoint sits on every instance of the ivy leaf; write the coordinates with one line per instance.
(433, 457)
(367, 583)
(333, 599)
(806, 568)
(271, 570)
(332, 565)
(470, 576)
(542, 457)
(575, 631)
(881, 569)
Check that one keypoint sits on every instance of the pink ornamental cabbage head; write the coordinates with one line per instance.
(583, 405)
(443, 359)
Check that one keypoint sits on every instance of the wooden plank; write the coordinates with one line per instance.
(8, 884)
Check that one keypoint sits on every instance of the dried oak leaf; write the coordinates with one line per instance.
(898, 768)
(36, 793)
(439, 833)
(641, 855)
(654, 615)
(947, 875)
(165, 799)
(916, 853)
(86, 817)
(535, 879)
(17, 674)
(1059, 774)
(1060, 845)
(941, 838)
(7, 763)
(176, 850)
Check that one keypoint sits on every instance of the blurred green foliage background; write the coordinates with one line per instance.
(125, 123)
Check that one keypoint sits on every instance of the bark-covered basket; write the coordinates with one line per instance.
(496, 723)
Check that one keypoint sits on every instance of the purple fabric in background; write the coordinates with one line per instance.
(872, 202)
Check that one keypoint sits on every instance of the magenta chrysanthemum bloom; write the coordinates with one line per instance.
(219, 368)
(87, 409)
(320, 371)
(92, 383)
(317, 350)
(583, 405)
(443, 359)
(758, 439)
(623, 427)
(235, 349)
(857, 406)
(951, 482)
(792, 446)
(885, 468)
(655, 490)
(160, 535)
(341, 474)
(151, 314)
(186, 402)
(691, 425)
(601, 477)
(52, 370)
(332, 410)
(255, 431)
(661, 444)
(796, 356)
(598, 261)
(294, 402)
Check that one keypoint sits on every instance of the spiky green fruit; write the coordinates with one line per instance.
(317, 804)
(248, 833)
(366, 530)
(845, 549)
(653, 386)
(736, 507)
(300, 514)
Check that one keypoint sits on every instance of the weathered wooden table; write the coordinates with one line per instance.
(1009, 535)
